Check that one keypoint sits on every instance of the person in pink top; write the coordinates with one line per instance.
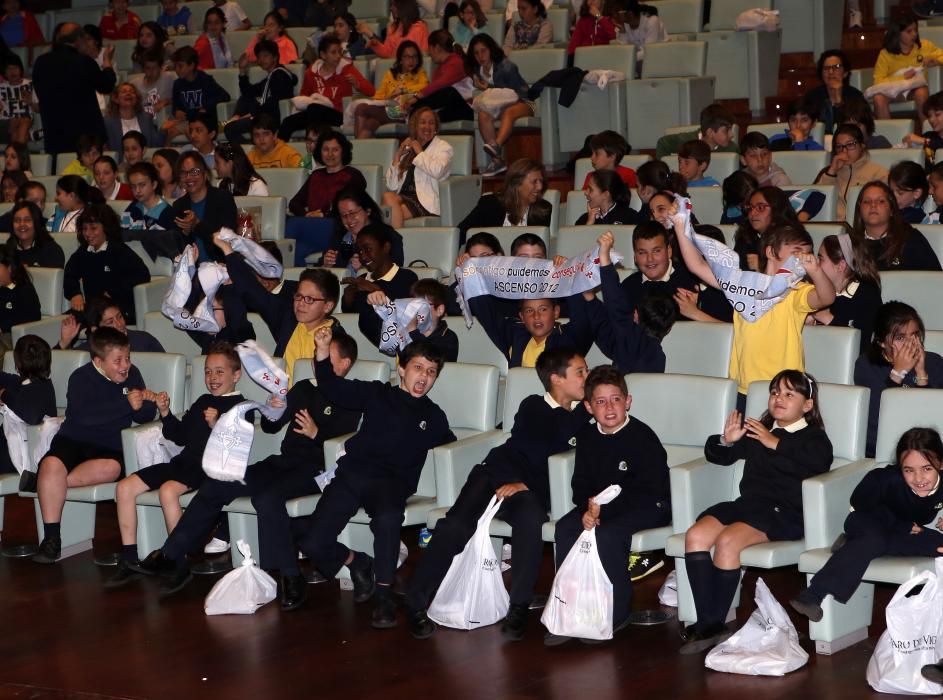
(273, 29)
(405, 25)
(450, 91)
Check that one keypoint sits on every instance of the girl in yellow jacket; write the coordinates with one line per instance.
(404, 78)
(903, 50)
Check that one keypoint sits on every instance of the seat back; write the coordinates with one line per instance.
(681, 16)
(283, 182)
(462, 147)
(436, 246)
(257, 9)
(364, 370)
(697, 347)
(616, 57)
(889, 157)
(724, 13)
(708, 202)
(468, 394)
(64, 363)
(150, 295)
(41, 164)
(521, 383)
(273, 213)
(171, 339)
(373, 174)
(196, 386)
(820, 231)
(901, 410)
(934, 236)
(914, 287)
(844, 412)
(48, 284)
(534, 64)
(164, 372)
(802, 167)
(474, 345)
(365, 348)
(722, 166)
(573, 240)
(895, 131)
(831, 352)
(675, 59)
(67, 241)
(373, 152)
(228, 78)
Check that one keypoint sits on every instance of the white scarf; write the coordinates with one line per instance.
(212, 276)
(396, 315)
(258, 258)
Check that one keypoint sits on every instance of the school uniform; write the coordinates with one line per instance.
(48, 254)
(192, 432)
(855, 307)
(489, 212)
(884, 509)
(637, 286)
(276, 307)
(634, 459)
(237, 330)
(917, 253)
(19, 303)
(270, 483)
(397, 283)
(443, 338)
(113, 271)
(379, 471)
(617, 215)
(138, 341)
(542, 427)
(97, 410)
(31, 400)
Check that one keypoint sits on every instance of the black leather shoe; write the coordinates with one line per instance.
(176, 583)
(294, 592)
(154, 564)
(49, 550)
(933, 672)
(806, 604)
(706, 639)
(515, 623)
(384, 612)
(420, 626)
(364, 580)
(124, 575)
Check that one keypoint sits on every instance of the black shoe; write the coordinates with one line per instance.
(515, 623)
(933, 672)
(706, 639)
(124, 575)
(641, 564)
(49, 550)
(927, 10)
(364, 580)
(154, 564)
(176, 583)
(384, 612)
(615, 630)
(556, 640)
(420, 626)
(28, 482)
(806, 604)
(294, 592)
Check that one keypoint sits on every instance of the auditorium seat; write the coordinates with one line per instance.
(831, 352)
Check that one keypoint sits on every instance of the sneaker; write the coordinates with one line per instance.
(49, 550)
(364, 580)
(384, 612)
(855, 19)
(420, 626)
(556, 640)
(494, 168)
(641, 564)
(294, 592)
(495, 151)
(706, 639)
(177, 582)
(806, 604)
(154, 564)
(933, 672)
(124, 575)
(216, 546)
(515, 623)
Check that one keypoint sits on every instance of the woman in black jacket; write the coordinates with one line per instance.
(203, 209)
(519, 203)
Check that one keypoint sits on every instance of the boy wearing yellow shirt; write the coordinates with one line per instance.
(268, 150)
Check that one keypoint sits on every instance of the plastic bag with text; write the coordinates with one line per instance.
(243, 590)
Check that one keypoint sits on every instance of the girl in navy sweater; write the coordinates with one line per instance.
(890, 509)
(29, 393)
(787, 445)
(19, 302)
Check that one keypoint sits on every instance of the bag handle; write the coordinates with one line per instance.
(494, 505)
(246, 551)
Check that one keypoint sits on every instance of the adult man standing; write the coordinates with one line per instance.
(66, 82)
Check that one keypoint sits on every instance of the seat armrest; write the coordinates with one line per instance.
(560, 467)
(695, 486)
(454, 462)
(826, 499)
(333, 447)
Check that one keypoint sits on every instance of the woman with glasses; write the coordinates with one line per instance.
(830, 97)
(355, 209)
(851, 165)
(203, 209)
(765, 209)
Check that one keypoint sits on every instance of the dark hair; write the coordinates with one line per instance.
(857, 111)
(11, 60)
(486, 239)
(609, 181)
(778, 236)
(103, 339)
(895, 28)
(17, 176)
(898, 230)
(696, 149)
(346, 346)
(22, 155)
(907, 175)
(604, 375)
(152, 56)
(323, 279)
(516, 174)
(647, 230)
(434, 291)
(397, 67)
(738, 187)
(926, 441)
(862, 267)
(854, 132)
(32, 357)
(845, 63)
(87, 142)
(496, 52)
(715, 116)
(186, 54)
(172, 156)
(442, 39)
(781, 214)
(31, 185)
(327, 41)
(99, 213)
(407, 14)
(539, 7)
(612, 142)
(214, 11)
(480, 18)
(18, 272)
(889, 318)
(146, 169)
(378, 232)
(109, 161)
(422, 348)
(135, 135)
(267, 46)
(805, 105)
(40, 234)
(242, 169)
(95, 309)
(804, 384)
(279, 20)
(75, 184)
(657, 174)
(554, 361)
(754, 140)
(197, 159)
(221, 347)
(160, 37)
(265, 121)
(934, 103)
(208, 120)
(657, 313)
(528, 239)
(363, 200)
(91, 31)
(347, 148)
(351, 22)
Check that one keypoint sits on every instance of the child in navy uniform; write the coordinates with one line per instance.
(889, 510)
(29, 393)
(517, 472)
(787, 445)
(104, 397)
(441, 336)
(19, 302)
(379, 471)
(270, 483)
(618, 450)
(184, 472)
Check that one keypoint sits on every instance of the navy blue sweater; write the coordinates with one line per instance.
(192, 432)
(884, 496)
(201, 93)
(97, 409)
(539, 431)
(18, 305)
(31, 402)
(397, 431)
(113, 272)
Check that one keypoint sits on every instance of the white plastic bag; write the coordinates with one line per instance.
(898, 88)
(47, 431)
(668, 593)
(912, 638)
(472, 594)
(151, 447)
(14, 430)
(580, 603)
(493, 101)
(243, 590)
(767, 645)
(757, 20)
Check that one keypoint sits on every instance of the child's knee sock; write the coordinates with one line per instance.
(51, 530)
(700, 570)
(725, 589)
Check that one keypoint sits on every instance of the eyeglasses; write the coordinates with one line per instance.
(847, 146)
(192, 172)
(350, 214)
(834, 66)
(759, 208)
(308, 301)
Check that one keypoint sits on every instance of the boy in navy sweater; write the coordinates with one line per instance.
(193, 91)
(379, 471)
(270, 483)
(616, 450)
(29, 393)
(517, 472)
(440, 336)
(184, 472)
(263, 96)
(104, 397)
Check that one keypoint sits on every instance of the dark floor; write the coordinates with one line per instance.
(66, 637)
